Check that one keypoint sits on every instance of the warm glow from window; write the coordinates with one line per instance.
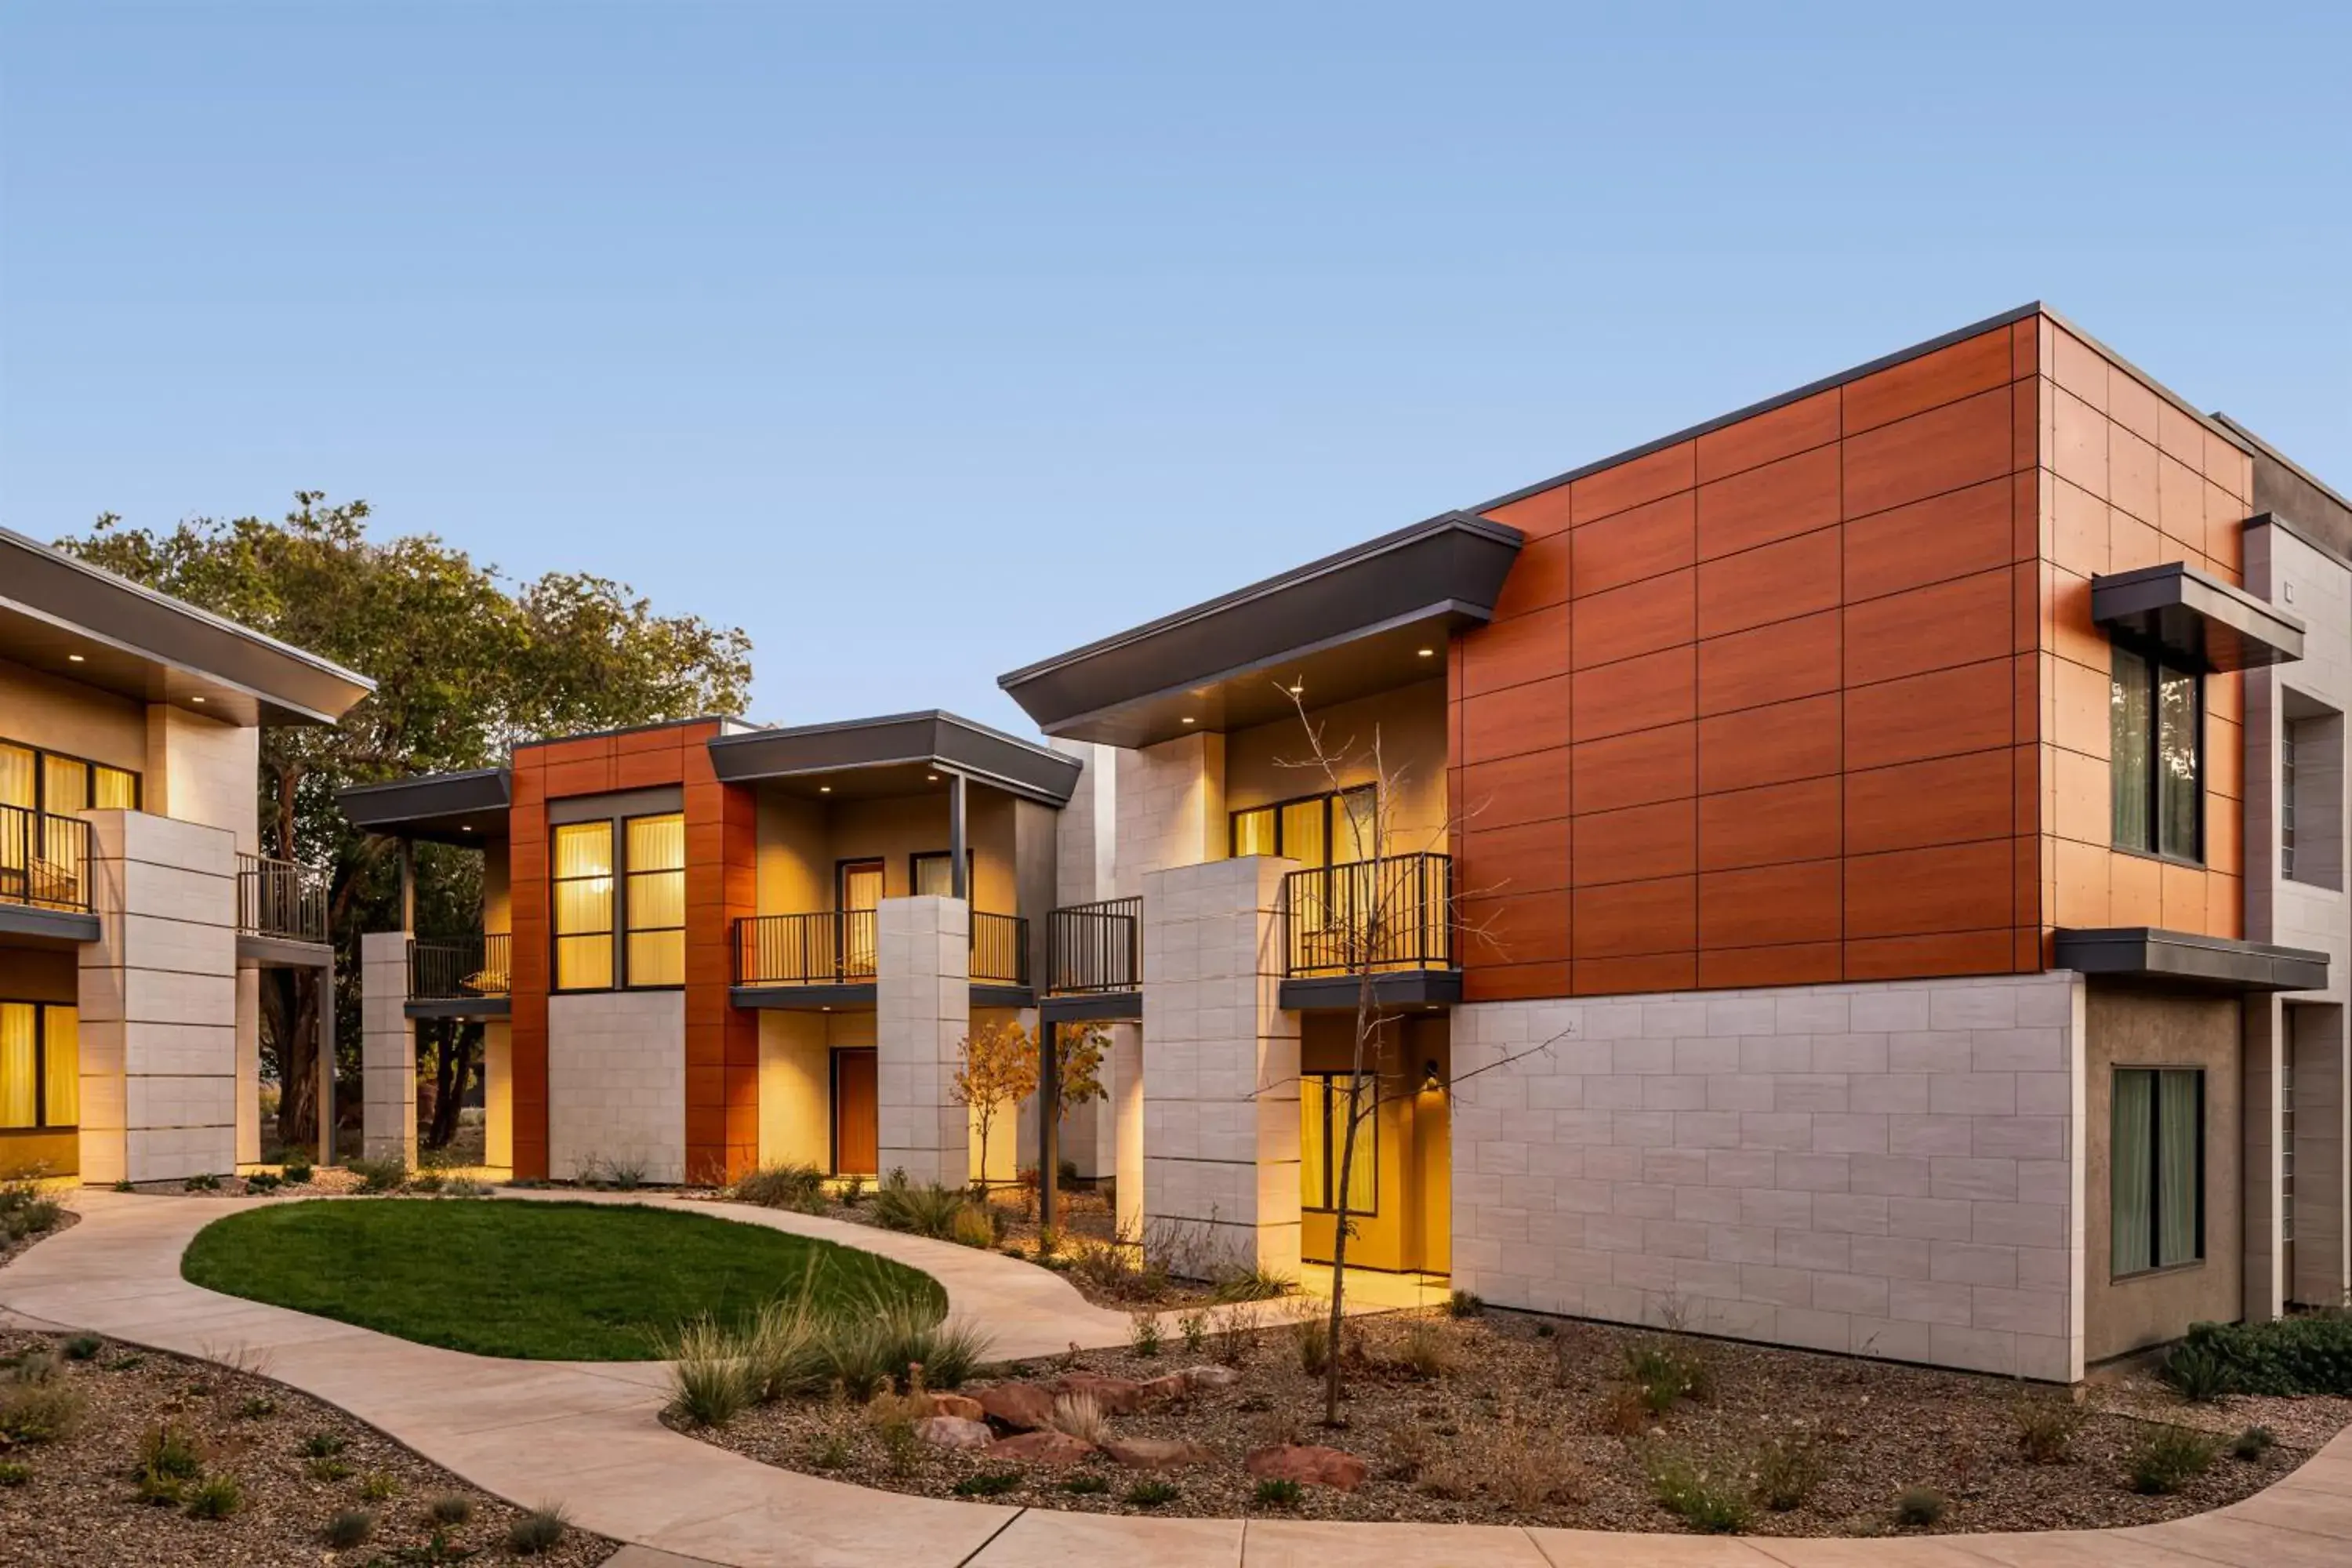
(584, 906)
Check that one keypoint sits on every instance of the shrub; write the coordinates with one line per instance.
(84, 1347)
(450, 1509)
(379, 1177)
(1918, 1508)
(972, 1225)
(1787, 1470)
(793, 1184)
(328, 1470)
(1313, 1337)
(378, 1486)
(2167, 1458)
(202, 1182)
(350, 1528)
(1408, 1451)
(877, 1342)
(989, 1483)
(262, 1183)
(217, 1497)
(1666, 1374)
(1463, 1304)
(40, 1412)
(2197, 1373)
(1080, 1415)
(709, 1383)
(464, 1187)
(1194, 1327)
(831, 1452)
(1623, 1410)
(1710, 1504)
(1428, 1352)
(296, 1172)
(324, 1445)
(540, 1529)
(24, 1211)
(852, 1191)
(1143, 1335)
(2310, 1353)
(39, 1366)
(1273, 1492)
(12, 1474)
(170, 1449)
(927, 1210)
(1151, 1494)
(2254, 1443)
(1085, 1484)
(1250, 1283)
(1526, 1473)
(2046, 1424)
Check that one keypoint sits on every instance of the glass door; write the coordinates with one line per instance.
(859, 894)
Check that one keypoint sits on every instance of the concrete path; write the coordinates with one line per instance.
(585, 1435)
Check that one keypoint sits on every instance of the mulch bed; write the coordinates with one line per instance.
(79, 1504)
(1532, 1407)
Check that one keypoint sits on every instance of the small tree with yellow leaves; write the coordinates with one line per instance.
(996, 1067)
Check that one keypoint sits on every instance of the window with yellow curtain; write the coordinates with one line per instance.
(1323, 1129)
(61, 1067)
(65, 783)
(20, 1064)
(584, 906)
(18, 777)
(655, 904)
(115, 789)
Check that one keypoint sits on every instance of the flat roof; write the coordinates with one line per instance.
(447, 808)
(70, 618)
(896, 753)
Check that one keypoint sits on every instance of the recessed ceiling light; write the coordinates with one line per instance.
(1191, 721)
(1428, 653)
(933, 778)
(465, 827)
(1298, 688)
(74, 659)
(825, 789)
(197, 701)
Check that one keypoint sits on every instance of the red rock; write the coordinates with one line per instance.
(954, 1432)
(1164, 1390)
(1309, 1466)
(1113, 1395)
(1158, 1453)
(1041, 1448)
(956, 1405)
(1210, 1376)
(1023, 1407)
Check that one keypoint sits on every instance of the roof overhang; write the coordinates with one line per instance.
(1344, 626)
(2185, 958)
(447, 808)
(898, 754)
(2199, 619)
(74, 620)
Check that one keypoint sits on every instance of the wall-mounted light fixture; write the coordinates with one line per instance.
(1431, 1082)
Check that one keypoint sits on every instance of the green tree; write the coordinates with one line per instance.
(465, 663)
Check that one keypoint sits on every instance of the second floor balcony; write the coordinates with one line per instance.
(1387, 922)
(44, 861)
(285, 901)
(837, 952)
(1093, 956)
(459, 976)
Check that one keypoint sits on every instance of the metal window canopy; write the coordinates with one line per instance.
(1345, 626)
(2200, 620)
(2186, 958)
(446, 809)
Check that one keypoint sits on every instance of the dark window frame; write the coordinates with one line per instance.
(1335, 1098)
(41, 1123)
(626, 874)
(43, 755)
(2156, 661)
(2156, 1170)
(970, 870)
(1332, 818)
(556, 935)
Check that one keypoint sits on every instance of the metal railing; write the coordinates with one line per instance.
(44, 860)
(1370, 916)
(459, 968)
(281, 899)
(1095, 947)
(834, 947)
(999, 949)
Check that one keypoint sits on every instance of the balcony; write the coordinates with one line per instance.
(284, 900)
(999, 950)
(1093, 956)
(1391, 920)
(828, 959)
(463, 977)
(44, 878)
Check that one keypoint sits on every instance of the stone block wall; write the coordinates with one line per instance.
(1881, 1169)
(387, 1049)
(922, 1010)
(616, 1082)
(1171, 807)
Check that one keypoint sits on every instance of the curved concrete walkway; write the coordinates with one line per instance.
(585, 1434)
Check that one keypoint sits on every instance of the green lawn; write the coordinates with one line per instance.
(550, 1281)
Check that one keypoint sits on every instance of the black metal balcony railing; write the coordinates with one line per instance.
(834, 947)
(459, 968)
(1372, 916)
(999, 949)
(281, 899)
(1095, 947)
(44, 860)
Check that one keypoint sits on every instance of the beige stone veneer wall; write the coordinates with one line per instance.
(616, 1081)
(1882, 1169)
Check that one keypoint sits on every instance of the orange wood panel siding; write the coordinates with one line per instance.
(722, 1111)
(1815, 696)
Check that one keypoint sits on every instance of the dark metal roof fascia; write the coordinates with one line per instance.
(933, 737)
(2199, 617)
(385, 807)
(2149, 952)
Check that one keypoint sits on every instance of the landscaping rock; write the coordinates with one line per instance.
(1158, 1453)
(1164, 1390)
(1115, 1395)
(1041, 1448)
(1023, 1407)
(1210, 1376)
(1309, 1466)
(958, 1405)
(954, 1432)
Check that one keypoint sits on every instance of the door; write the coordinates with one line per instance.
(854, 1149)
(858, 894)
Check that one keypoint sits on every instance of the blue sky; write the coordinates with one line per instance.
(925, 343)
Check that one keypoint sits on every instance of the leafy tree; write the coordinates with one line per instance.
(997, 1066)
(465, 663)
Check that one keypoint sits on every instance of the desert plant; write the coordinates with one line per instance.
(2309, 1352)
(1408, 1445)
(1709, 1503)
(709, 1382)
(379, 1486)
(450, 1509)
(930, 1209)
(1666, 1374)
(428, 1181)
(262, 1183)
(84, 1347)
(40, 1412)
(1194, 1328)
(1787, 1469)
(989, 1483)
(379, 1177)
(463, 1187)
(1920, 1507)
(25, 1210)
(621, 1175)
(1463, 1304)
(41, 1365)
(831, 1452)
(902, 1449)
(1149, 1494)
(2254, 1443)
(296, 1172)
(539, 1531)
(1240, 1338)
(1428, 1352)
(878, 1343)
(1143, 1335)
(1312, 1336)
(1080, 1415)
(350, 1528)
(2197, 1373)
(216, 1497)
(324, 1445)
(973, 1225)
(328, 1470)
(1274, 1492)
(1527, 1472)
(168, 1448)
(2046, 1425)
(852, 1191)
(14, 1474)
(1451, 1476)
(1250, 1282)
(202, 1182)
(2167, 1457)
(790, 1185)
(1086, 1483)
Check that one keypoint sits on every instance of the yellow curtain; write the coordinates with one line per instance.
(64, 784)
(1253, 832)
(1312, 1130)
(1303, 835)
(583, 849)
(657, 842)
(63, 1049)
(17, 776)
(19, 1074)
(117, 790)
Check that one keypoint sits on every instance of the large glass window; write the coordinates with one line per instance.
(2156, 758)
(2158, 1162)
(931, 874)
(656, 901)
(1330, 829)
(584, 906)
(37, 780)
(1323, 1129)
(40, 1065)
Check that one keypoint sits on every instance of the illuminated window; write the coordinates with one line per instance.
(584, 906)
(35, 780)
(40, 1065)
(1315, 830)
(113, 789)
(656, 901)
(1323, 1122)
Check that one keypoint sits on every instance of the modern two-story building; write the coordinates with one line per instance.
(136, 914)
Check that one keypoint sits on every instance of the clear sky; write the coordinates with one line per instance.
(926, 343)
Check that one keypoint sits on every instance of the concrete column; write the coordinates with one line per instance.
(922, 1010)
(2264, 1281)
(248, 1066)
(497, 1095)
(1125, 1116)
(1220, 1082)
(2323, 1131)
(158, 996)
(387, 1049)
(795, 1090)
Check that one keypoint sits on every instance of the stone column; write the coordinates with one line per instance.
(387, 1049)
(1220, 1078)
(497, 1095)
(2264, 1280)
(922, 1010)
(248, 1066)
(2323, 1130)
(1126, 1085)
(158, 1001)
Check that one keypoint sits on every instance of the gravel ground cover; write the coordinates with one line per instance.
(1510, 1418)
(76, 1501)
